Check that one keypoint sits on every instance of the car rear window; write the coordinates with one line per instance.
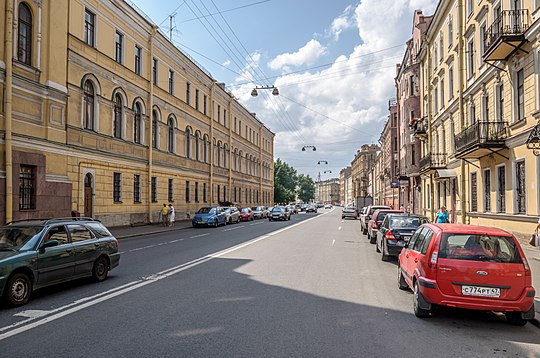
(478, 247)
(404, 222)
(99, 229)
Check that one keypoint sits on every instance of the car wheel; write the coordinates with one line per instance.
(418, 311)
(402, 284)
(364, 231)
(216, 223)
(18, 290)
(100, 269)
(515, 318)
(269, 219)
(343, 217)
(372, 239)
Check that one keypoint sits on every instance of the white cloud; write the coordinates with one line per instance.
(226, 63)
(343, 22)
(347, 102)
(304, 56)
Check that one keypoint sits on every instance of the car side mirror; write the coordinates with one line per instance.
(49, 243)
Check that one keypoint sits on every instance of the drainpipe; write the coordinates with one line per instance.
(150, 117)
(461, 59)
(228, 120)
(8, 59)
(212, 142)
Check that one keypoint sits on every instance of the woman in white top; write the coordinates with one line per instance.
(171, 215)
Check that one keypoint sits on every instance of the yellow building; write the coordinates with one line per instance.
(106, 117)
(481, 99)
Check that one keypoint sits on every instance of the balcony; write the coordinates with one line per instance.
(419, 128)
(432, 162)
(480, 139)
(506, 35)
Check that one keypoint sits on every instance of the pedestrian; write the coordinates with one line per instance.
(164, 215)
(171, 214)
(442, 216)
(535, 238)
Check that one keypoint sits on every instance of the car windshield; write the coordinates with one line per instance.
(277, 210)
(13, 238)
(245, 210)
(405, 222)
(206, 210)
(479, 247)
(255, 208)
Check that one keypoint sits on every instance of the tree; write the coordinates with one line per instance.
(305, 188)
(285, 179)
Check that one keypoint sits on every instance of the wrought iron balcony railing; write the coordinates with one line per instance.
(433, 161)
(482, 134)
(419, 128)
(506, 27)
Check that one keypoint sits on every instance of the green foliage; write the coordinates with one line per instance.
(305, 188)
(288, 185)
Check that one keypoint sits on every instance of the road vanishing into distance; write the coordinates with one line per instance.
(310, 287)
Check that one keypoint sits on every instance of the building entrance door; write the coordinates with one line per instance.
(88, 195)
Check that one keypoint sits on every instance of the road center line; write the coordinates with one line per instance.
(86, 302)
(232, 228)
(201, 235)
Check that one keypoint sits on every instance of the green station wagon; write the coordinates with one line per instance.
(39, 253)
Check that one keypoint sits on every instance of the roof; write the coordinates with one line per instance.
(470, 229)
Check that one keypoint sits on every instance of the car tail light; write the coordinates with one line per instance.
(433, 259)
(374, 225)
(526, 266)
(389, 236)
(116, 243)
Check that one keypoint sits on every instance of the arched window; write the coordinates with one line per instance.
(137, 123)
(24, 50)
(206, 146)
(155, 129)
(188, 143)
(225, 155)
(197, 146)
(118, 111)
(89, 100)
(219, 154)
(240, 161)
(170, 124)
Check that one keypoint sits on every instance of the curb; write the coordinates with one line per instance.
(157, 230)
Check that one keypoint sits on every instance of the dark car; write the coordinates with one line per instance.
(279, 213)
(395, 231)
(376, 220)
(39, 253)
(311, 209)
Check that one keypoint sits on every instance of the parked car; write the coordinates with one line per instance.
(465, 266)
(364, 219)
(292, 208)
(40, 253)
(280, 213)
(259, 212)
(396, 230)
(375, 221)
(246, 214)
(311, 209)
(328, 206)
(209, 216)
(349, 212)
(232, 215)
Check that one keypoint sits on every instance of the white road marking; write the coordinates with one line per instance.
(32, 313)
(232, 228)
(86, 302)
(333, 242)
(201, 235)
(255, 224)
(339, 228)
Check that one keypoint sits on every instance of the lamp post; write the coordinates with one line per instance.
(274, 89)
(308, 146)
(322, 162)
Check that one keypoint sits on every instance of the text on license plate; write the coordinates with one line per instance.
(480, 291)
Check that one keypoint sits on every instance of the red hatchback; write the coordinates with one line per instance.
(246, 214)
(465, 266)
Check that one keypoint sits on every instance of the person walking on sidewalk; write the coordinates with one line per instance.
(535, 238)
(165, 215)
(171, 214)
(442, 216)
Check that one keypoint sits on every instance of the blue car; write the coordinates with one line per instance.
(209, 216)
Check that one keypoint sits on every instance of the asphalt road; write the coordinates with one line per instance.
(311, 287)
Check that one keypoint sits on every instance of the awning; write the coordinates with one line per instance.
(445, 173)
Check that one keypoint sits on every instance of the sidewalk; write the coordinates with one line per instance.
(124, 232)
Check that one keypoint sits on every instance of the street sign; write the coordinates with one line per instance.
(394, 184)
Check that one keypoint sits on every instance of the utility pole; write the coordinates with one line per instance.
(171, 27)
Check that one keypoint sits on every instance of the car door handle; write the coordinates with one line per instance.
(407, 256)
(415, 260)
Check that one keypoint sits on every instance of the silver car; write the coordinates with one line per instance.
(232, 214)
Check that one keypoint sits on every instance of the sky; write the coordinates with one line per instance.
(333, 61)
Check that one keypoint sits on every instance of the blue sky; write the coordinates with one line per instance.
(333, 62)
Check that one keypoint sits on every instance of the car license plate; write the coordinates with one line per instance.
(480, 291)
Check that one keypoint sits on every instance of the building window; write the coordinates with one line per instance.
(474, 193)
(204, 192)
(486, 107)
(197, 99)
(501, 189)
(188, 93)
(482, 37)
(206, 144)
(219, 114)
(155, 130)
(187, 191)
(196, 192)
(188, 143)
(442, 92)
(435, 99)
(89, 102)
(117, 187)
(470, 7)
(27, 188)
(118, 113)
(138, 60)
(170, 191)
(218, 193)
(197, 146)
(470, 58)
(450, 30)
(441, 47)
(224, 193)
(205, 102)
(451, 82)
(137, 123)
(500, 102)
(520, 96)
(411, 85)
(155, 71)
(119, 43)
(136, 188)
(225, 117)
(153, 189)
(521, 188)
(487, 190)
(89, 24)
(24, 45)
(171, 82)
(171, 136)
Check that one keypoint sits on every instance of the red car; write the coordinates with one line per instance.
(465, 266)
(246, 214)
(375, 222)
